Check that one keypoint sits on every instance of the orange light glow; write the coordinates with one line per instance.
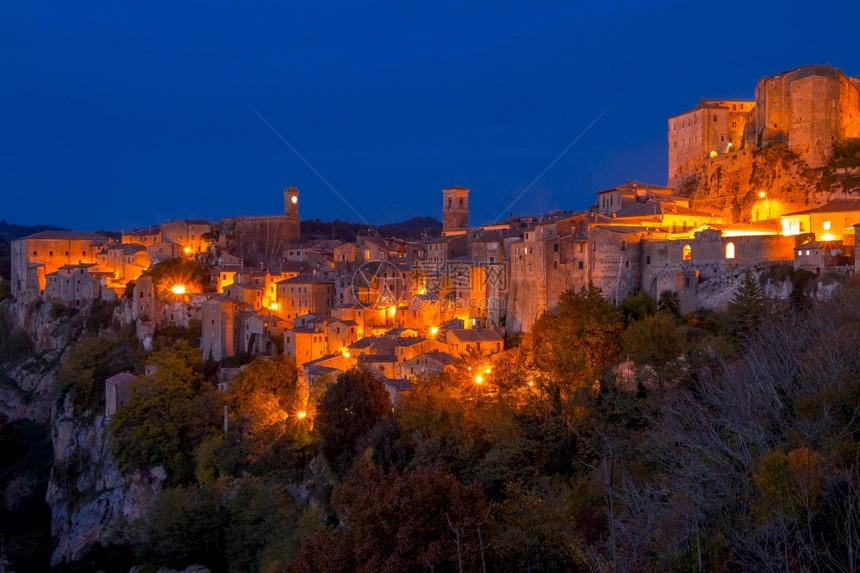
(178, 289)
(828, 237)
(434, 330)
(479, 379)
(274, 306)
(294, 199)
(488, 370)
(302, 415)
(187, 250)
(762, 194)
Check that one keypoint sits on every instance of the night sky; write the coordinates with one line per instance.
(116, 116)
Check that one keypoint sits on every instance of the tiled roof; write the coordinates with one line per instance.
(835, 206)
(68, 236)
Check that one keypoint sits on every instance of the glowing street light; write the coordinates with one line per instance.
(434, 330)
(187, 250)
(479, 379)
(302, 415)
(274, 306)
(178, 289)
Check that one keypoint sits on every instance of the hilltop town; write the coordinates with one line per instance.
(405, 308)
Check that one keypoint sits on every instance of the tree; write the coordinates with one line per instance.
(637, 307)
(747, 308)
(574, 343)
(670, 302)
(407, 522)
(656, 342)
(168, 415)
(349, 409)
(265, 393)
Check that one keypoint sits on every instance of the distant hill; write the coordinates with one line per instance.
(347, 231)
(9, 232)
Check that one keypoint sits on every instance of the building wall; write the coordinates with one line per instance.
(72, 287)
(219, 336)
(716, 126)
(50, 254)
(807, 108)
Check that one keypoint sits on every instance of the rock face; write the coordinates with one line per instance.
(730, 184)
(90, 499)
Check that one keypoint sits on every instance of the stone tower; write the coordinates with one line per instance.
(291, 203)
(455, 209)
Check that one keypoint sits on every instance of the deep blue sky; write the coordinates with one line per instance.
(116, 116)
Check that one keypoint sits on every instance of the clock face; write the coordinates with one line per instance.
(294, 199)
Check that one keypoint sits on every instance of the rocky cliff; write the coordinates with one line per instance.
(90, 499)
(732, 184)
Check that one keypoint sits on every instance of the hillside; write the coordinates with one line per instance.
(347, 231)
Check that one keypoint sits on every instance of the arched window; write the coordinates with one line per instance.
(687, 253)
(730, 250)
(461, 203)
(450, 202)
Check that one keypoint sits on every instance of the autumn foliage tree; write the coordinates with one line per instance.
(411, 521)
(573, 344)
(351, 406)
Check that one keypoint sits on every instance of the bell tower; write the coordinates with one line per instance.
(291, 213)
(291, 202)
(455, 209)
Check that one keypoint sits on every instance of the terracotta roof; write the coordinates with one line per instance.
(68, 235)
(476, 335)
(121, 378)
(835, 206)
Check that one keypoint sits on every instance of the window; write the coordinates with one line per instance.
(826, 225)
(555, 248)
(623, 245)
(686, 281)
(730, 250)
(580, 265)
(647, 260)
(734, 124)
(687, 253)
(579, 247)
(715, 117)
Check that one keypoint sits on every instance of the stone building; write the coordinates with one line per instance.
(264, 239)
(37, 256)
(828, 222)
(807, 108)
(194, 236)
(713, 127)
(75, 285)
(681, 265)
(304, 294)
(117, 391)
(220, 329)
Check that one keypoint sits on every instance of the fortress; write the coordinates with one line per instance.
(807, 108)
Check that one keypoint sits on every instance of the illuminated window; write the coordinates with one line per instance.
(730, 250)
(687, 253)
(826, 225)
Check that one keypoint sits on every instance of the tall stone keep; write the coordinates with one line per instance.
(455, 209)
